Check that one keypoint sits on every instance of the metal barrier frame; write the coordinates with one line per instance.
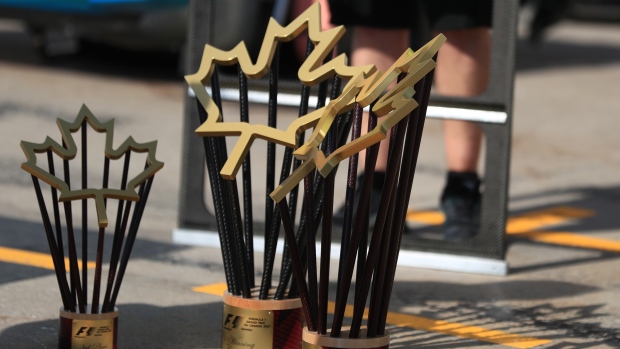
(485, 253)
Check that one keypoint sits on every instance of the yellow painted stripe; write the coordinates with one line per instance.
(419, 323)
(33, 259)
(426, 217)
(522, 223)
(572, 240)
(464, 331)
(214, 289)
(544, 218)
(525, 226)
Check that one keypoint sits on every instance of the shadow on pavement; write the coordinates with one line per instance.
(481, 308)
(604, 201)
(517, 290)
(567, 327)
(139, 326)
(30, 236)
(198, 326)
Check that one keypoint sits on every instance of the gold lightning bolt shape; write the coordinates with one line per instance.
(391, 108)
(311, 72)
(67, 153)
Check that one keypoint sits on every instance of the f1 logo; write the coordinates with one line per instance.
(233, 321)
(85, 331)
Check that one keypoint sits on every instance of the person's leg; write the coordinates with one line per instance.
(463, 71)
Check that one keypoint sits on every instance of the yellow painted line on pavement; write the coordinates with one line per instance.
(526, 225)
(419, 323)
(572, 240)
(32, 259)
(214, 289)
(527, 222)
(426, 217)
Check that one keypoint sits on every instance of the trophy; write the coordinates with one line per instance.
(88, 320)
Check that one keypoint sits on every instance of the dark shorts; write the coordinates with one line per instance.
(439, 15)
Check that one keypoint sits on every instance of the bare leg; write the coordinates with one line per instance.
(381, 47)
(463, 71)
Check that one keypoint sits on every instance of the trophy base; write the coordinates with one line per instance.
(88, 330)
(261, 323)
(313, 340)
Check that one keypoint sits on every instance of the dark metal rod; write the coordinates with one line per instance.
(84, 214)
(106, 177)
(378, 279)
(416, 123)
(230, 200)
(318, 213)
(380, 272)
(326, 233)
(326, 236)
(285, 273)
(214, 180)
(394, 226)
(115, 258)
(379, 268)
(233, 202)
(350, 193)
(302, 231)
(247, 177)
(227, 226)
(369, 170)
(275, 229)
(65, 293)
(271, 147)
(143, 193)
(74, 271)
(293, 195)
(119, 235)
(289, 234)
(98, 265)
(322, 94)
(377, 234)
(356, 236)
(303, 110)
(57, 225)
(100, 238)
(311, 242)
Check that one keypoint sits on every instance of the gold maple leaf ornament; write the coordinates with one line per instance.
(69, 150)
(366, 85)
(311, 72)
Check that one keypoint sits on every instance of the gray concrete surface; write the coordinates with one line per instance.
(564, 153)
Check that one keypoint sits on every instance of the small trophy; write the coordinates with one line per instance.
(87, 320)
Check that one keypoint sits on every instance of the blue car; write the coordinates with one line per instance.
(59, 25)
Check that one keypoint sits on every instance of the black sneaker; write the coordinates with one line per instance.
(460, 203)
(375, 199)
